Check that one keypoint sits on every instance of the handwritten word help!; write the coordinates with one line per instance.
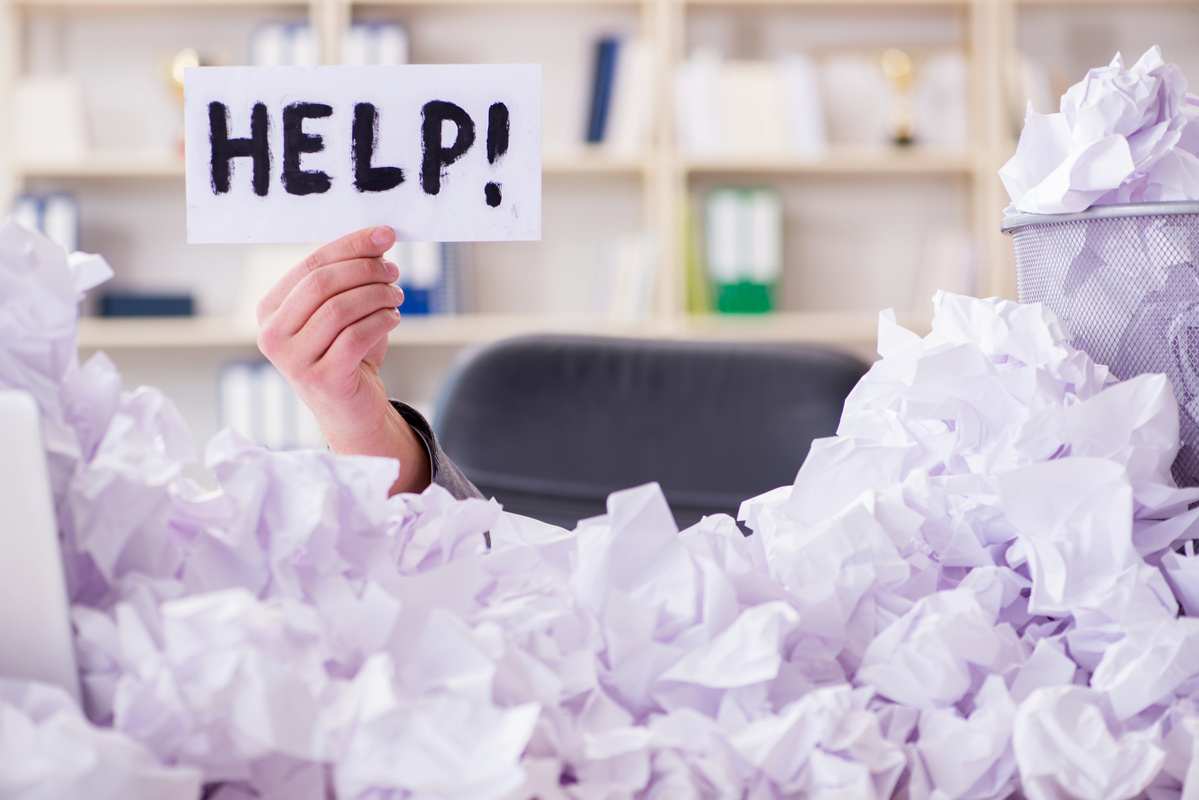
(440, 153)
(367, 177)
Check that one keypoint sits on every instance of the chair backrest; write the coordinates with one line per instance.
(550, 425)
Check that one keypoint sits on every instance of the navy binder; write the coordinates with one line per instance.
(601, 87)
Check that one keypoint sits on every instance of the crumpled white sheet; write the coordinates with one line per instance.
(972, 590)
(1121, 136)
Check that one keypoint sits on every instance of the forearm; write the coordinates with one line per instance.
(390, 437)
(445, 473)
(324, 325)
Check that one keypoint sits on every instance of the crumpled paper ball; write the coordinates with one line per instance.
(973, 590)
(1123, 135)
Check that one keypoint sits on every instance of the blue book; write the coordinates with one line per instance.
(417, 301)
(422, 276)
(601, 87)
(138, 304)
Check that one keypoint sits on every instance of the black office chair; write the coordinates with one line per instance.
(550, 425)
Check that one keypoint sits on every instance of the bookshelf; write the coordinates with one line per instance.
(851, 211)
(208, 332)
(134, 165)
(845, 160)
(660, 181)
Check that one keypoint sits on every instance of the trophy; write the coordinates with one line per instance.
(173, 67)
(897, 67)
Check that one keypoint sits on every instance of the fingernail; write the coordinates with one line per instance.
(392, 269)
(381, 236)
(399, 294)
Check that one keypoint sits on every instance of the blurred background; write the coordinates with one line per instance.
(774, 170)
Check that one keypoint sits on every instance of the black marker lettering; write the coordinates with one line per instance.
(296, 143)
(497, 145)
(497, 131)
(433, 114)
(366, 133)
(257, 148)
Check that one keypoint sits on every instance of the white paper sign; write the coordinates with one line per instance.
(441, 153)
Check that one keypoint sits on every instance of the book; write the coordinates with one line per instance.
(55, 214)
(749, 108)
(631, 116)
(262, 267)
(284, 44)
(699, 117)
(603, 76)
(795, 106)
(256, 401)
(806, 128)
(435, 277)
(941, 109)
(458, 271)
(754, 98)
(698, 289)
(374, 44)
(626, 277)
(857, 98)
(117, 303)
(392, 46)
(49, 119)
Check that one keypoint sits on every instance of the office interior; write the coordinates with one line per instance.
(884, 183)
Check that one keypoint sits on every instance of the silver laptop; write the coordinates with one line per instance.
(35, 626)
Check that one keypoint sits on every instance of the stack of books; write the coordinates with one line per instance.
(375, 44)
(284, 44)
(55, 214)
(792, 107)
(626, 277)
(436, 277)
(749, 107)
(257, 402)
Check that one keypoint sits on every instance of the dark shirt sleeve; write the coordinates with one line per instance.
(444, 471)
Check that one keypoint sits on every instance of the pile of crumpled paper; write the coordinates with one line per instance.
(978, 588)
(1121, 136)
(1124, 281)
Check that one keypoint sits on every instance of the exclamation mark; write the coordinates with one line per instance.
(497, 145)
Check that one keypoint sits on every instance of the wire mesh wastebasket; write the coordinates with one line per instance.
(1124, 279)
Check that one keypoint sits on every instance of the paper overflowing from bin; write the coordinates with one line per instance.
(972, 589)
(1123, 135)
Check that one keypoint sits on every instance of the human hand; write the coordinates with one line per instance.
(324, 326)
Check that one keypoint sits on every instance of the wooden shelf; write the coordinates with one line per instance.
(155, 333)
(107, 165)
(845, 160)
(477, 328)
(841, 160)
(1103, 3)
(108, 5)
(833, 3)
(159, 333)
(592, 162)
(494, 3)
(139, 165)
(815, 327)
